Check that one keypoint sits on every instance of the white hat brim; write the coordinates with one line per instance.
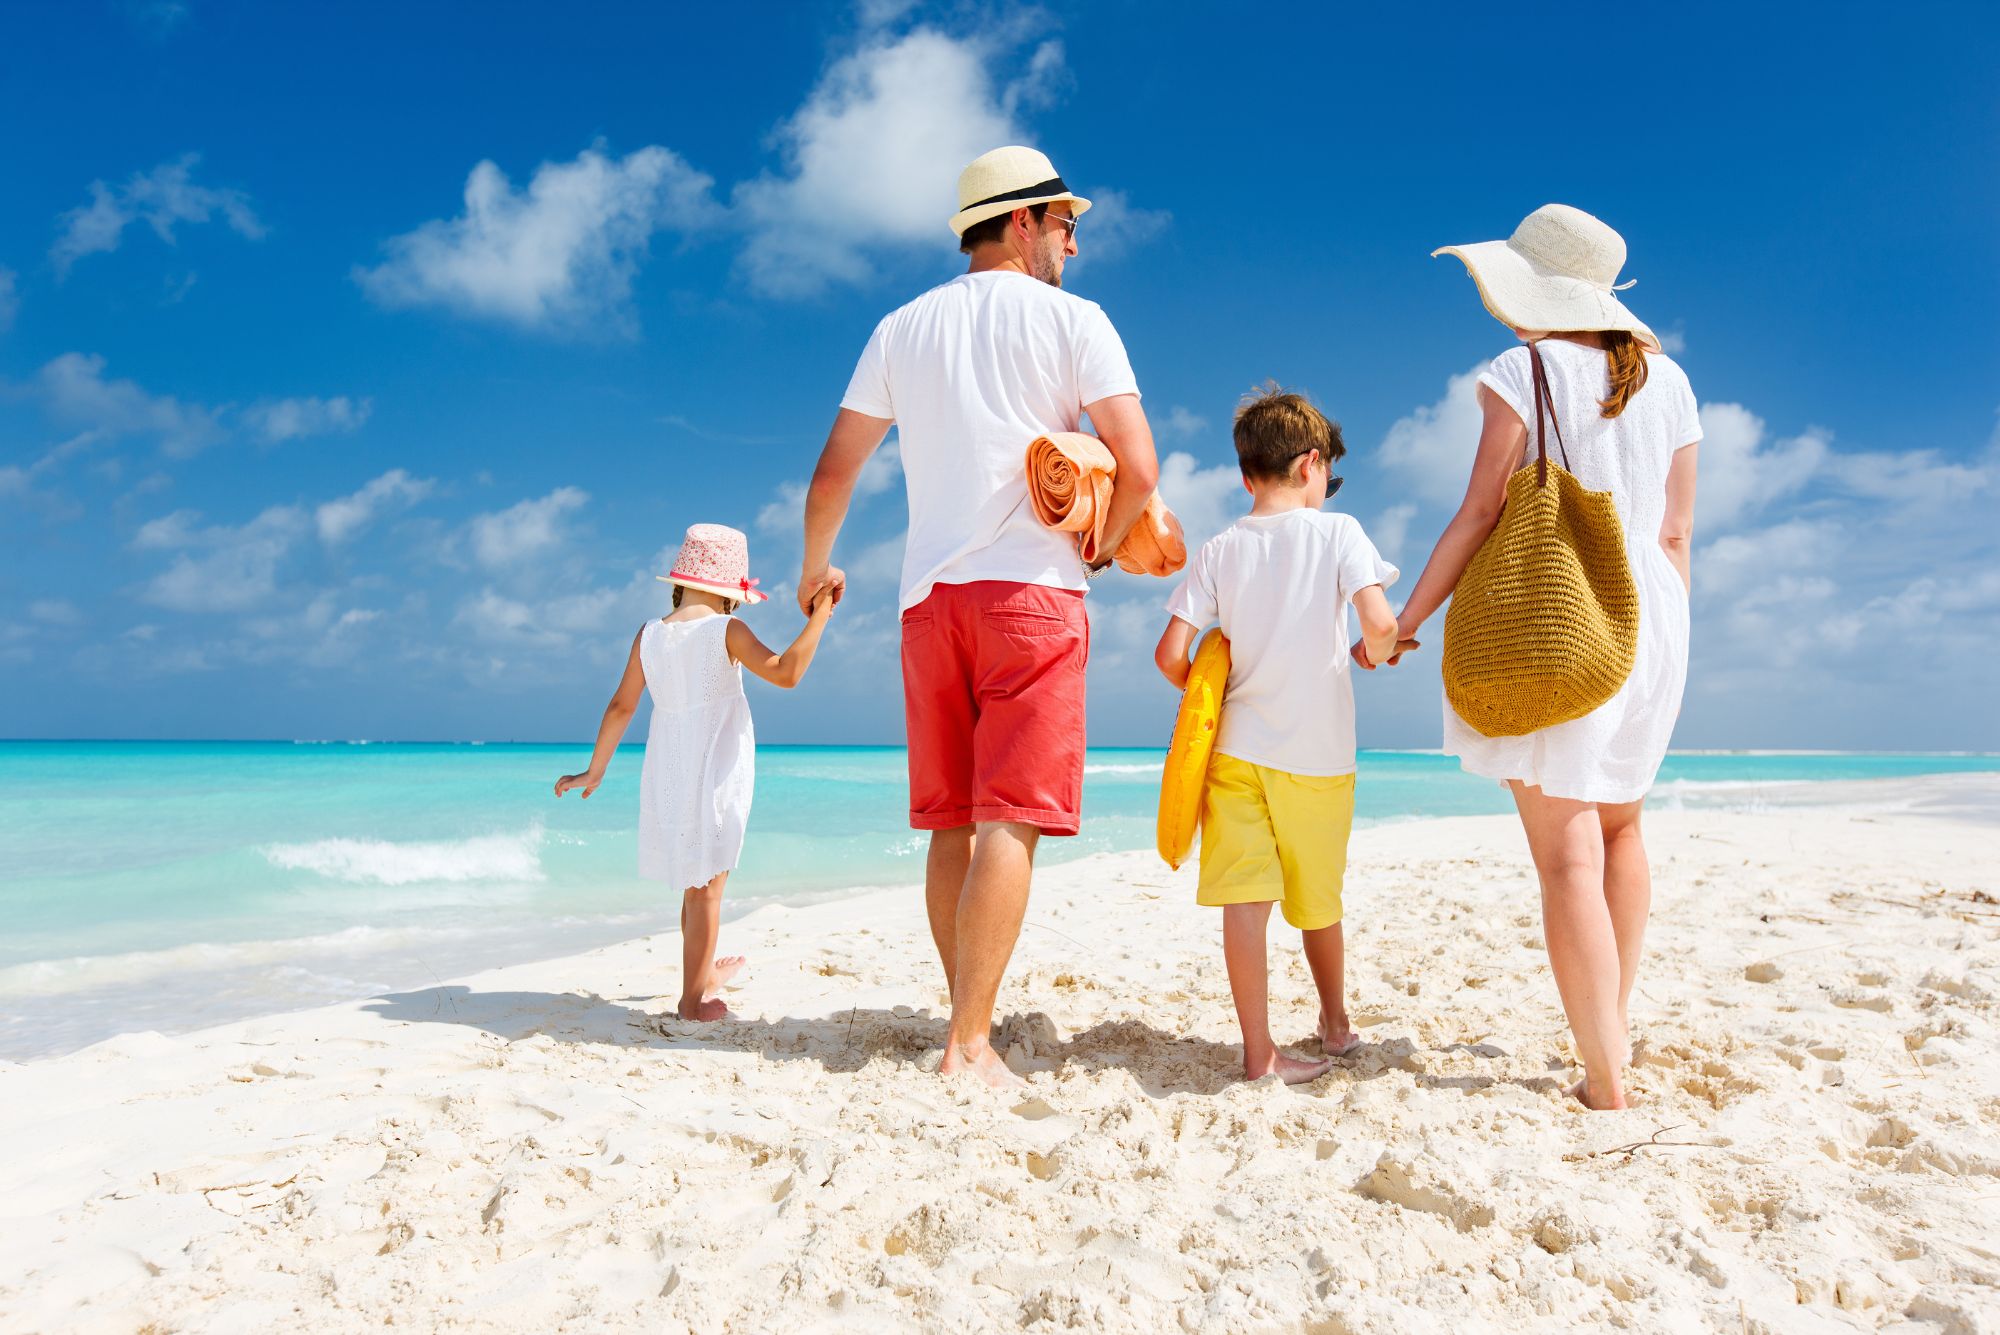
(741, 594)
(979, 213)
(1522, 295)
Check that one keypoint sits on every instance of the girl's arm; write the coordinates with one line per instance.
(617, 714)
(1677, 529)
(788, 668)
(1501, 441)
(1171, 656)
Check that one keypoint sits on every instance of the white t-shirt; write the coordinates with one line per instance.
(972, 371)
(1280, 586)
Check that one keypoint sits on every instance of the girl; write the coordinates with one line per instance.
(1627, 417)
(694, 791)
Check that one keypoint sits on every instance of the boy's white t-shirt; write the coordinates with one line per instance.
(1280, 586)
(972, 371)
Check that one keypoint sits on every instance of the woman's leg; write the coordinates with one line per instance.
(701, 927)
(1567, 842)
(1628, 894)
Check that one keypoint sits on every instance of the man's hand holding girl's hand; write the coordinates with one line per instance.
(831, 579)
(586, 781)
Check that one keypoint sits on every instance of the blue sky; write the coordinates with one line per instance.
(295, 441)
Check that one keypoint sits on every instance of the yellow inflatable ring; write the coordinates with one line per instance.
(1187, 757)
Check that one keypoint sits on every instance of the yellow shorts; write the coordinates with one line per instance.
(1267, 835)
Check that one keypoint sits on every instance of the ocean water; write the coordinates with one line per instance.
(173, 885)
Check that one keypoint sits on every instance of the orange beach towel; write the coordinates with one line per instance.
(1069, 486)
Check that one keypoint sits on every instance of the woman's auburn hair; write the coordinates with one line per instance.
(1625, 359)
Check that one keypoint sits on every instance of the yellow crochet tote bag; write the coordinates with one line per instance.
(1544, 623)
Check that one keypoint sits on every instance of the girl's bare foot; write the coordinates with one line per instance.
(1580, 1091)
(725, 968)
(708, 1008)
(1288, 1069)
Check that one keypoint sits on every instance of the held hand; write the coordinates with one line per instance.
(822, 603)
(1403, 647)
(1359, 653)
(831, 578)
(586, 781)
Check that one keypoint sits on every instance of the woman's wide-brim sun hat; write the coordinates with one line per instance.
(1557, 273)
(715, 559)
(1007, 179)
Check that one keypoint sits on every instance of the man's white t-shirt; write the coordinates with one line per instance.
(972, 371)
(1280, 586)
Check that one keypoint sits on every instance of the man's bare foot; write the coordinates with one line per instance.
(725, 968)
(984, 1065)
(708, 1008)
(1580, 1091)
(1288, 1069)
(1336, 1037)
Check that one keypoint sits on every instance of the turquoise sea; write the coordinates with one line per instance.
(173, 885)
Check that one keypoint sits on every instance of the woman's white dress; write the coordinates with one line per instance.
(1612, 753)
(701, 753)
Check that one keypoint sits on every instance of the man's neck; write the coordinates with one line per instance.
(988, 259)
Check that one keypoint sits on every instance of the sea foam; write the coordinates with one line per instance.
(493, 857)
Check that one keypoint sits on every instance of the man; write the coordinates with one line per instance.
(994, 635)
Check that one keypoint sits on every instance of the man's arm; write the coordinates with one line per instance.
(1121, 425)
(854, 437)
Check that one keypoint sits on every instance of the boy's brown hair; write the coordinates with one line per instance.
(1275, 426)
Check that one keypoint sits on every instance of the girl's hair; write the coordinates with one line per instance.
(731, 609)
(1625, 359)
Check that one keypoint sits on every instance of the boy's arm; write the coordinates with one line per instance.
(617, 714)
(1171, 655)
(788, 668)
(1378, 642)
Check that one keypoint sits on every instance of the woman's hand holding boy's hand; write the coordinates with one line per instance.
(1359, 653)
(586, 781)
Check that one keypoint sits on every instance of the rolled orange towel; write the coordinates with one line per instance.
(1069, 485)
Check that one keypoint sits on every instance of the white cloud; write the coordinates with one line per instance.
(1206, 500)
(494, 618)
(784, 514)
(1181, 424)
(74, 390)
(55, 612)
(343, 517)
(161, 198)
(1391, 530)
(10, 300)
(560, 254)
(1114, 226)
(287, 419)
(219, 568)
(1432, 448)
(1740, 472)
(529, 528)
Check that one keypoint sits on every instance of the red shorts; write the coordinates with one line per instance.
(993, 700)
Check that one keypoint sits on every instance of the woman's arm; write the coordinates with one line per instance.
(788, 668)
(1677, 529)
(1501, 441)
(1171, 655)
(617, 714)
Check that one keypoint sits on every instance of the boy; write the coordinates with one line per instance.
(1280, 794)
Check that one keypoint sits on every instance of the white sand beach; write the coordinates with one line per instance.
(1816, 1144)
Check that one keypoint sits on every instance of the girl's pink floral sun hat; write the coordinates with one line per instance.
(715, 559)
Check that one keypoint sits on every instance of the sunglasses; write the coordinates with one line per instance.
(1333, 481)
(1065, 221)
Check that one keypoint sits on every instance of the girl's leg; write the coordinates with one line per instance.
(1628, 894)
(701, 927)
(1243, 951)
(1567, 842)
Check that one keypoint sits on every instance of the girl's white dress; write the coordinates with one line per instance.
(1612, 753)
(701, 754)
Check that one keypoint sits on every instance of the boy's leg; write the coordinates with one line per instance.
(1326, 956)
(1243, 931)
(1312, 816)
(701, 972)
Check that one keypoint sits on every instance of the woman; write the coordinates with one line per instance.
(1628, 423)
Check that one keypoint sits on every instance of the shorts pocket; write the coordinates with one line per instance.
(917, 627)
(1022, 623)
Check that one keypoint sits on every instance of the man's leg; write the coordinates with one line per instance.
(945, 871)
(990, 909)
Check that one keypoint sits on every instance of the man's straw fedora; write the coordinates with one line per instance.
(1007, 179)
(1558, 272)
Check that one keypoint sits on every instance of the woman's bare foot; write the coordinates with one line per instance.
(707, 1008)
(983, 1065)
(1288, 1069)
(1580, 1091)
(725, 968)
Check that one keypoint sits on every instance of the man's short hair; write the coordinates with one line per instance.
(994, 228)
(1275, 426)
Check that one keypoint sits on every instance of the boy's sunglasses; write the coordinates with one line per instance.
(1332, 482)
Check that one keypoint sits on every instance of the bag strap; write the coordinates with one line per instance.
(1544, 395)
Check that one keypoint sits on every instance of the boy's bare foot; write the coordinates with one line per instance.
(1336, 1037)
(984, 1065)
(725, 968)
(708, 1008)
(1580, 1091)
(1288, 1069)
